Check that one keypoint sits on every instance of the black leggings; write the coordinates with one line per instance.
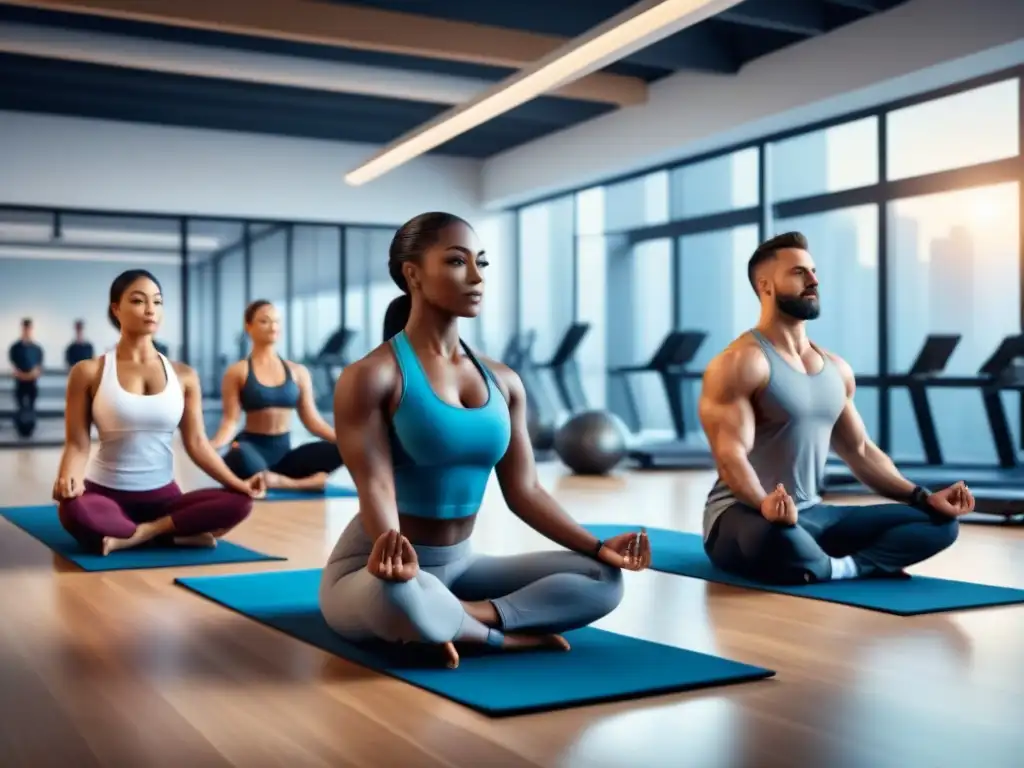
(260, 453)
(25, 394)
(882, 539)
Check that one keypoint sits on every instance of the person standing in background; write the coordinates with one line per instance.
(26, 358)
(79, 349)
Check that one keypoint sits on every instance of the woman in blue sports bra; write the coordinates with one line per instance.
(270, 390)
(422, 422)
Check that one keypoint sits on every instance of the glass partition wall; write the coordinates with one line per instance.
(58, 266)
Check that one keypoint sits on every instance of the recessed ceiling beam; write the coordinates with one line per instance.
(359, 28)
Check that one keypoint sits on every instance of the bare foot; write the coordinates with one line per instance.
(141, 536)
(110, 544)
(315, 482)
(514, 642)
(518, 641)
(143, 533)
(203, 540)
(451, 655)
(483, 611)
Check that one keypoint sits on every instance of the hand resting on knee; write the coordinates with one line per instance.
(393, 558)
(779, 507)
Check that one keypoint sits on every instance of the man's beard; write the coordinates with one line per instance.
(799, 307)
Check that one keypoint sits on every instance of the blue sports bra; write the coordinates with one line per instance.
(255, 396)
(443, 454)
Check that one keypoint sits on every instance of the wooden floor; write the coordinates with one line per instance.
(125, 669)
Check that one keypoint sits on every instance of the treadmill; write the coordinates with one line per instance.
(669, 362)
(518, 356)
(931, 361)
(541, 412)
(998, 490)
(565, 371)
(512, 356)
(330, 356)
(661, 363)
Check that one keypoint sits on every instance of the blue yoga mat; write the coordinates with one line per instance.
(330, 492)
(42, 523)
(601, 666)
(683, 554)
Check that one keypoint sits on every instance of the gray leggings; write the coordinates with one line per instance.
(539, 592)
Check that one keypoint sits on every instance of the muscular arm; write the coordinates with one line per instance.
(517, 476)
(361, 399)
(309, 414)
(230, 396)
(727, 416)
(866, 461)
(193, 434)
(77, 420)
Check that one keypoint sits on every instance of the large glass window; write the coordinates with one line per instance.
(954, 266)
(715, 297)
(208, 241)
(268, 278)
(315, 312)
(232, 343)
(829, 160)
(640, 301)
(380, 288)
(591, 292)
(952, 260)
(493, 329)
(546, 245)
(724, 183)
(975, 126)
(590, 212)
(201, 303)
(592, 308)
(844, 246)
(368, 286)
(638, 202)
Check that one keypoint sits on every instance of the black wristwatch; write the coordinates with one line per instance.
(919, 499)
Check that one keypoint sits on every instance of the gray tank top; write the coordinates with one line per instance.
(795, 412)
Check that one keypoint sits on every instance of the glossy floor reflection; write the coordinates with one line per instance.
(126, 669)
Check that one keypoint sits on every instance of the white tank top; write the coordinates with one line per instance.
(136, 432)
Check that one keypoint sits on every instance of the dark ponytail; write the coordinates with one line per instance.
(121, 284)
(397, 315)
(410, 242)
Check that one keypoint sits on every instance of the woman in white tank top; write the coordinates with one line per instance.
(137, 398)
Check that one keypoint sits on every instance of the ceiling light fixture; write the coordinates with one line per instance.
(635, 28)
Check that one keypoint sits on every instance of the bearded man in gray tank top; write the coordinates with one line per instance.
(773, 404)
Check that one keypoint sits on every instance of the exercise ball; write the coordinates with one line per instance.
(25, 422)
(591, 443)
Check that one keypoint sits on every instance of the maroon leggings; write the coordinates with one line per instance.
(101, 511)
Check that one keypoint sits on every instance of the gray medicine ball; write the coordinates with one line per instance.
(591, 443)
